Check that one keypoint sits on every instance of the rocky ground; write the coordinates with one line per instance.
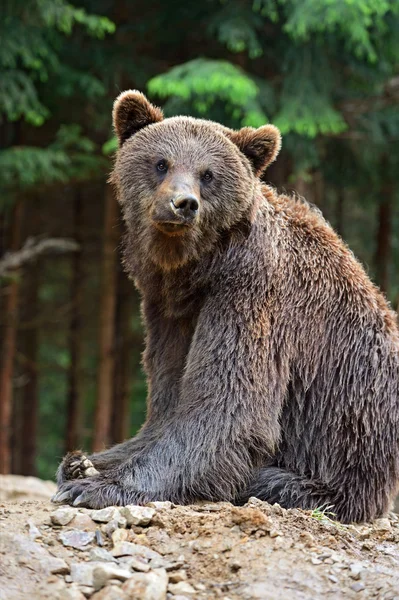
(203, 551)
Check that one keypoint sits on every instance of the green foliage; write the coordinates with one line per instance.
(202, 83)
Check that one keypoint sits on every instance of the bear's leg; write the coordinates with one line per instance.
(347, 503)
(168, 341)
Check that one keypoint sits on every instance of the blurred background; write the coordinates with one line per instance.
(326, 72)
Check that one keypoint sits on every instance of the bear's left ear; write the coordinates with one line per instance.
(132, 111)
(261, 146)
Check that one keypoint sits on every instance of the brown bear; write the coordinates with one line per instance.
(272, 360)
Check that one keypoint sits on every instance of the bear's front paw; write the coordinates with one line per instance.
(93, 492)
(75, 465)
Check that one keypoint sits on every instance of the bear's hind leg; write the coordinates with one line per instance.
(290, 490)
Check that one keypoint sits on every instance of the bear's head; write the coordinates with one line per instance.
(184, 182)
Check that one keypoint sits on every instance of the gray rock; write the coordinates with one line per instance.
(355, 570)
(183, 587)
(87, 590)
(382, 525)
(102, 555)
(177, 576)
(76, 538)
(137, 515)
(82, 573)
(63, 515)
(358, 586)
(147, 586)
(130, 549)
(105, 515)
(70, 593)
(102, 574)
(58, 566)
(111, 592)
(34, 532)
(160, 505)
(135, 563)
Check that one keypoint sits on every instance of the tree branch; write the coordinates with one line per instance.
(34, 248)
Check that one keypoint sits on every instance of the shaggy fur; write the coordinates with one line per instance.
(272, 360)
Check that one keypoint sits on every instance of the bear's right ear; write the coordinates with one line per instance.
(132, 111)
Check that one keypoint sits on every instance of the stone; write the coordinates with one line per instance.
(160, 505)
(104, 515)
(111, 592)
(102, 555)
(130, 549)
(83, 522)
(63, 515)
(177, 576)
(76, 538)
(355, 570)
(131, 562)
(183, 587)
(382, 525)
(102, 574)
(147, 586)
(58, 566)
(34, 532)
(87, 590)
(358, 586)
(82, 573)
(70, 593)
(118, 536)
(137, 515)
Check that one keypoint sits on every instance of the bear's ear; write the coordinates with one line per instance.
(132, 111)
(260, 146)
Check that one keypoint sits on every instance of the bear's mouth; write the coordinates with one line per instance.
(172, 227)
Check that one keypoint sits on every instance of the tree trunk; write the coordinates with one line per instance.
(30, 390)
(339, 211)
(123, 341)
(384, 237)
(9, 347)
(102, 423)
(74, 398)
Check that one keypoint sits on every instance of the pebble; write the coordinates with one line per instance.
(147, 586)
(105, 515)
(177, 576)
(76, 538)
(63, 515)
(130, 549)
(87, 590)
(382, 525)
(134, 563)
(33, 531)
(83, 522)
(160, 505)
(358, 586)
(70, 593)
(183, 587)
(58, 566)
(102, 555)
(82, 573)
(355, 570)
(118, 536)
(111, 592)
(137, 515)
(102, 574)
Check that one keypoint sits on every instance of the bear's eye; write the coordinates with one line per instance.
(162, 166)
(207, 176)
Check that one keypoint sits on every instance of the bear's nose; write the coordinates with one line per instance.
(185, 206)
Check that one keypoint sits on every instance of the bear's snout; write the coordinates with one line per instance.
(185, 206)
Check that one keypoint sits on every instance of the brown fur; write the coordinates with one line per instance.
(272, 360)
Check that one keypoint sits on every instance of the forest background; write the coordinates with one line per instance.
(326, 72)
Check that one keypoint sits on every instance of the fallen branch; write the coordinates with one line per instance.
(34, 248)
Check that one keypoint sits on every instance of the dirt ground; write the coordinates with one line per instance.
(257, 551)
